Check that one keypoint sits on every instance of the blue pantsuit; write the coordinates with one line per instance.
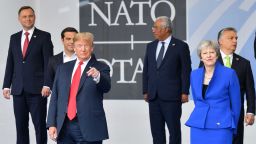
(215, 116)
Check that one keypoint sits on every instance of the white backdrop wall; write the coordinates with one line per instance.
(128, 120)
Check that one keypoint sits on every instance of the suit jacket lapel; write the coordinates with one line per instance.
(215, 72)
(235, 61)
(60, 58)
(84, 75)
(169, 49)
(68, 76)
(154, 53)
(200, 82)
(19, 48)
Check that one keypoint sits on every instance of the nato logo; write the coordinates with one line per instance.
(122, 28)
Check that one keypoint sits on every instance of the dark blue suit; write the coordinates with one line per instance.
(219, 110)
(26, 78)
(164, 86)
(90, 112)
(53, 63)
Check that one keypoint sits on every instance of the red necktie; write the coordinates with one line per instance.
(25, 45)
(73, 92)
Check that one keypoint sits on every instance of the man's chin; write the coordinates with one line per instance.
(156, 37)
(234, 49)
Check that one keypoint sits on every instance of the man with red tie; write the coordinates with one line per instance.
(29, 51)
(76, 113)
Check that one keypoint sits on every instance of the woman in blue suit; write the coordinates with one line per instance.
(216, 94)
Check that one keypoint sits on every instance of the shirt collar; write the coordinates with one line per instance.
(167, 40)
(65, 55)
(223, 55)
(84, 62)
(29, 31)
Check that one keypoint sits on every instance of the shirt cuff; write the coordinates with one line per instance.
(46, 87)
(250, 114)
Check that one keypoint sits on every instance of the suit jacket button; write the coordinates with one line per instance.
(23, 61)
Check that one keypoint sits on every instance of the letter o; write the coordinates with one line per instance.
(172, 8)
(108, 63)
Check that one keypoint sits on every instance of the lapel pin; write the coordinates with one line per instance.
(34, 36)
(237, 59)
(173, 44)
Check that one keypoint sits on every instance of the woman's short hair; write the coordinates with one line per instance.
(207, 44)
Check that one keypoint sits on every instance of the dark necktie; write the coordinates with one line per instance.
(160, 55)
(25, 45)
(73, 92)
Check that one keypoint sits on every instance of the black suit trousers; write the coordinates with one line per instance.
(238, 139)
(36, 105)
(165, 112)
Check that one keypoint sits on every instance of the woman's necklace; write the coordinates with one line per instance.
(208, 76)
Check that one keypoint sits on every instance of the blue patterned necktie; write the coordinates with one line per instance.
(160, 55)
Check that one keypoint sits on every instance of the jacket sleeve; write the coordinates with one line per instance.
(52, 111)
(50, 74)
(105, 82)
(185, 69)
(145, 73)
(250, 90)
(47, 53)
(9, 67)
(235, 100)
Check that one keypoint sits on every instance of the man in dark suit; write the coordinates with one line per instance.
(27, 60)
(68, 54)
(227, 39)
(166, 73)
(76, 113)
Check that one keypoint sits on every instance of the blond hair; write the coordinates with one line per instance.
(85, 36)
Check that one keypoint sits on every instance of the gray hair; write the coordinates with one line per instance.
(220, 33)
(207, 44)
(167, 23)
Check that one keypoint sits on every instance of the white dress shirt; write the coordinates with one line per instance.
(67, 58)
(166, 44)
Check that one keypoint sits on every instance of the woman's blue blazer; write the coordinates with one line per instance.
(222, 103)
